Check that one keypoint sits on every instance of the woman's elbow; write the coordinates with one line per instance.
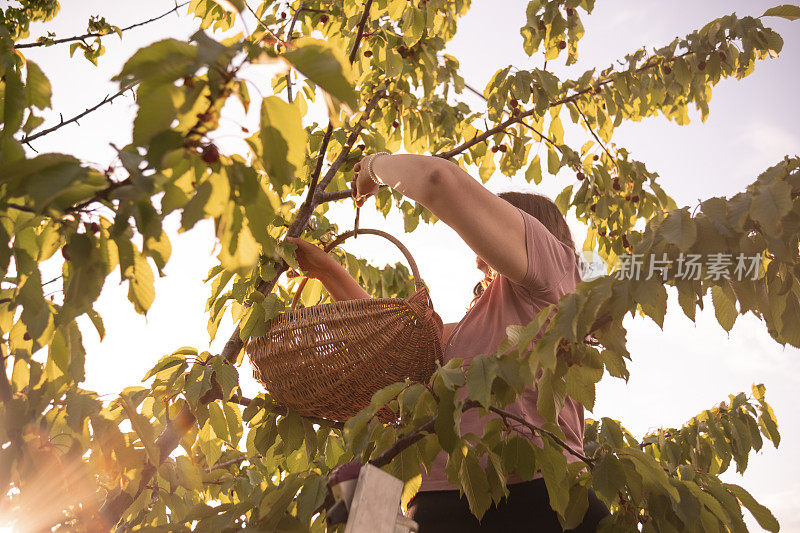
(439, 180)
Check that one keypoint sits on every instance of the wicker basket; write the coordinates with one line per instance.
(328, 360)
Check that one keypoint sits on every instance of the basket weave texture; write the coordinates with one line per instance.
(328, 360)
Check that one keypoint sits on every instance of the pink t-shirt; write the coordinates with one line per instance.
(551, 273)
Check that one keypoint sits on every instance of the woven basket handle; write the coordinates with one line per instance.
(338, 240)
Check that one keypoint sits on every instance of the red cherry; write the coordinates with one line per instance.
(595, 157)
(627, 197)
(667, 70)
(26, 337)
(395, 124)
(570, 11)
(581, 176)
(283, 15)
(616, 185)
(323, 18)
(635, 198)
(368, 53)
(360, 146)
(94, 227)
(210, 154)
(514, 102)
(562, 45)
(502, 148)
(495, 149)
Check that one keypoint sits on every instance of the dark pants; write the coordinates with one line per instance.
(527, 508)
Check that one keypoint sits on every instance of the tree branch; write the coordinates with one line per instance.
(351, 139)
(596, 138)
(360, 34)
(28, 138)
(402, 443)
(89, 35)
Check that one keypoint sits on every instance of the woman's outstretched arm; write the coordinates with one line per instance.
(492, 227)
(336, 280)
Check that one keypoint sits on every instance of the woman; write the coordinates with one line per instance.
(525, 249)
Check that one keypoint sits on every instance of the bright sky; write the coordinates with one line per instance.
(675, 374)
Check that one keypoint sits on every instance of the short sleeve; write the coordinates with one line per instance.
(550, 261)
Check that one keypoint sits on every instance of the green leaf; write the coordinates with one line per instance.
(141, 288)
(217, 419)
(161, 62)
(608, 477)
(13, 103)
(679, 229)
(724, 307)
(519, 457)
(473, 482)
(763, 516)
(38, 91)
(787, 11)
(480, 376)
(326, 66)
(771, 203)
(534, 171)
(283, 140)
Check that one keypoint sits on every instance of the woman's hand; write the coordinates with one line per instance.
(362, 186)
(313, 260)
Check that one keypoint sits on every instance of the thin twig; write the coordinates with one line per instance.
(288, 40)
(589, 127)
(89, 35)
(28, 138)
(360, 34)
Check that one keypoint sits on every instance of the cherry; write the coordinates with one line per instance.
(26, 337)
(502, 148)
(581, 176)
(616, 185)
(94, 227)
(595, 157)
(323, 18)
(516, 112)
(627, 197)
(210, 154)
(513, 102)
(635, 198)
(701, 65)
(593, 208)
(283, 15)
(368, 53)
(395, 124)
(570, 11)
(495, 149)
(361, 146)
(667, 70)
(562, 45)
